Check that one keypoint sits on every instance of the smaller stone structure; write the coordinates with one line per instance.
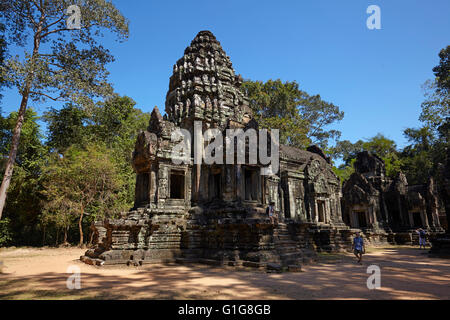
(388, 209)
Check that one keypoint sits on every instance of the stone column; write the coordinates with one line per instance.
(239, 182)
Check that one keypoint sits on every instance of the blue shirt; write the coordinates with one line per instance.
(358, 243)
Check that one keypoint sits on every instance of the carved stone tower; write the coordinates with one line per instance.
(204, 86)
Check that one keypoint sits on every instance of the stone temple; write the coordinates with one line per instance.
(216, 213)
(387, 209)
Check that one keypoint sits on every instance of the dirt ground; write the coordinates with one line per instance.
(406, 273)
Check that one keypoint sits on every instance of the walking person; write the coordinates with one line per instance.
(270, 211)
(358, 247)
(422, 238)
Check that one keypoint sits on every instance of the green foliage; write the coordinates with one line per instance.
(65, 127)
(39, 205)
(109, 128)
(421, 158)
(71, 66)
(442, 71)
(380, 145)
(117, 123)
(436, 107)
(6, 235)
(82, 181)
(114, 123)
(302, 119)
(393, 164)
(22, 207)
(428, 144)
(344, 171)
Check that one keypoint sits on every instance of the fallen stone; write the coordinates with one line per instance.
(252, 264)
(274, 267)
(295, 268)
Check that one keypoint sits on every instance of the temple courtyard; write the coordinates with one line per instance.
(406, 273)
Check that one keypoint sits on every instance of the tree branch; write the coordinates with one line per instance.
(28, 16)
(54, 31)
(38, 6)
(53, 23)
(45, 95)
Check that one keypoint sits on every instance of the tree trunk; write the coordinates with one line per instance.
(20, 119)
(43, 237)
(91, 234)
(65, 236)
(80, 226)
(91, 239)
(13, 152)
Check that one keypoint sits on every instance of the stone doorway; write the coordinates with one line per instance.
(142, 189)
(416, 219)
(251, 184)
(215, 185)
(321, 211)
(177, 185)
(361, 219)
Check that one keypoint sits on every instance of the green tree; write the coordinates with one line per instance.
(114, 122)
(117, 122)
(301, 118)
(380, 145)
(442, 71)
(60, 63)
(6, 235)
(346, 150)
(344, 171)
(66, 127)
(82, 181)
(427, 148)
(436, 107)
(23, 205)
(428, 144)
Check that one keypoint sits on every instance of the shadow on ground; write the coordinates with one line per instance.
(405, 274)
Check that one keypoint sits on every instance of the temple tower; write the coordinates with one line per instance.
(204, 86)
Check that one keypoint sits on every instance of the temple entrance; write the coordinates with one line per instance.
(360, 218)
(321, 211)
(417, 219)
(251, 184)
(177, 185)
(142, 189)
(215, 185)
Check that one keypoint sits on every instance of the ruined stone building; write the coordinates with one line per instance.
(388, 209)
(217, 212)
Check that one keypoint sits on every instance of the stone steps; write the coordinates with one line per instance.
(287, 249)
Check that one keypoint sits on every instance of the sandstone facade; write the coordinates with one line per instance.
(216, 213)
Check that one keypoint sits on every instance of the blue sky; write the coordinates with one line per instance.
(375, 76)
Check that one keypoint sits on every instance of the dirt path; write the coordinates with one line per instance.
(406, 273)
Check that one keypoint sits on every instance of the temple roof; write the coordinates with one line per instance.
(204, 85)
(296, 154)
